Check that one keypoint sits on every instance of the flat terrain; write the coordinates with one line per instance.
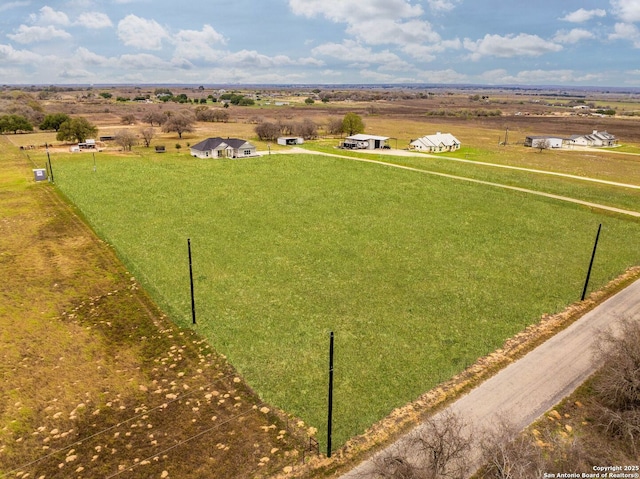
(290, 247)
(96, 381)
(418, 276)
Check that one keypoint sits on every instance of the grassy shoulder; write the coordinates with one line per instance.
(96, 380)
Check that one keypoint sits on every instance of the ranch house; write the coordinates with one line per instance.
(435, 143)
(223, 148)
(595, 139)
(364, 142)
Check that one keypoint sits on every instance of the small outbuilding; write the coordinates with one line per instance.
(543, 141)
(365, 142)
(290, 140)
(436, 143)
(223, 148)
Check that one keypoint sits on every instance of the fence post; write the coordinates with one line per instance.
(193, 301)
(593, 255)
(330, 413)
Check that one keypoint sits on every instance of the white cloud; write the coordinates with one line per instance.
(537, 77)
(11, 56)
(627, 10)
(442, 76)
(374, 22)
(48, 16)
(143, 61)
(194, 44)
(27, 34)
(356, 55)
(443, 5)
(427, 53)
(93, 20)
(86, 57)
(141, 33)
(351, 11)
(385, 31)
(626, 31)
(11, 5)
(574, 36)
(581, 15)
(510, 46)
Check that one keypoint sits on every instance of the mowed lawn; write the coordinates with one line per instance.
(416, 275)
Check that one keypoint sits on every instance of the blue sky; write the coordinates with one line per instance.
(492, 42)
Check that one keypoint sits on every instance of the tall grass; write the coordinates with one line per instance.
(416, 275)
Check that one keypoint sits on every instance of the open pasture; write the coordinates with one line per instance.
(416, 275)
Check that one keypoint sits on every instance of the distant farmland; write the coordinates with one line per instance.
(416, 275)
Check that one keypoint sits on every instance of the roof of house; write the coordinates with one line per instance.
(217, 143)
(363, 137)
(596, 135)
(446, 139)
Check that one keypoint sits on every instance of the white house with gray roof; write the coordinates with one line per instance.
(595, 139)
(436, 143)
(223, 148)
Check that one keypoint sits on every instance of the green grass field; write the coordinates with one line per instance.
(416, 275)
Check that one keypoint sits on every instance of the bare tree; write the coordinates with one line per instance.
(147, 135)
(307, 129)
(436, 450)
(334, 126)
(267, 131)
(543, 144)
(508, 454)
(156, 117)
(442, 446)
(617, 389)
(126, 139)
(128, 119)
(180, 123)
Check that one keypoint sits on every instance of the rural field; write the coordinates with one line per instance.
(417, 275)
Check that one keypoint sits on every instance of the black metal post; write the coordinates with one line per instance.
(193, 301)
(50, 167)
(329, 420)
(593, 255)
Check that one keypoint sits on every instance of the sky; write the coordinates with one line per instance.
(214, 42)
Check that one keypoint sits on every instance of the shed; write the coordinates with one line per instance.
(290, 140)
(364, 142)
(544, 141)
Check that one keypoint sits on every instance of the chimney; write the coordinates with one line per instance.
(595, 132)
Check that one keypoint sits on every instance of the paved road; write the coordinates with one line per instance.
(529, 387)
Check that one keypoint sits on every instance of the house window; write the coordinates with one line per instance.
(247, 152)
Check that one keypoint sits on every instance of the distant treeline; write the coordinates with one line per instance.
(464, 113)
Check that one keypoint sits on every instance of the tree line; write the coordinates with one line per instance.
(350, 124)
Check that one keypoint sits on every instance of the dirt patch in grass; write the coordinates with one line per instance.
(96, 381)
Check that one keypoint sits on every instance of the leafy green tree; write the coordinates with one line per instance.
(309, 101)
(14, 123)
(106, 95)
(352, 124)
(53, 121)
(76, 129)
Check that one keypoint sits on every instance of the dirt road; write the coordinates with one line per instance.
(528, 388)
